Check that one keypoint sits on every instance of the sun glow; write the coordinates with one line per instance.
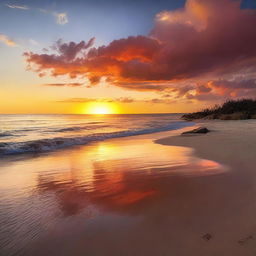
(101, 108)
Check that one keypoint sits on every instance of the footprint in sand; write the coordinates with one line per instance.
(207, 237)
(245, 240)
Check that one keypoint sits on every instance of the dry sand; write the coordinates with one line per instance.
(227, 202)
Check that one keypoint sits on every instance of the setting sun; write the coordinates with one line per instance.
(100, 108)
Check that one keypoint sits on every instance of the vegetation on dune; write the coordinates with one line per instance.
(230, 110)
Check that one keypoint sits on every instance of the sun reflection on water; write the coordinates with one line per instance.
(120, 173)
(123, 178)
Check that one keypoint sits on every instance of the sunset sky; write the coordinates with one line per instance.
(141, 56)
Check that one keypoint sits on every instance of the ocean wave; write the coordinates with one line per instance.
(44, 145)
(5, 134)
(79, 128)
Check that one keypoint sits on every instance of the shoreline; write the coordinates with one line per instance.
(153, 136)
(58, 143)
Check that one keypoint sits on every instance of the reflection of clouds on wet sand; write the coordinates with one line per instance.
(122, 178)
(69, 200)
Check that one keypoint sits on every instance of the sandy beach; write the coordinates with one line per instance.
(156, 194)
(227, 208)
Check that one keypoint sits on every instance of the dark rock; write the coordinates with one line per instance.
(197, 130)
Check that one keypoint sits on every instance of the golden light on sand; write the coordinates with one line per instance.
(100, 108)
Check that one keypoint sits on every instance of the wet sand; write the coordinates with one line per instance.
(132, 196)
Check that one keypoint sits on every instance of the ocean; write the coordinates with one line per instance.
(40, 133)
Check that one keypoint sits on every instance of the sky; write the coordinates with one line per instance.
(141, 56)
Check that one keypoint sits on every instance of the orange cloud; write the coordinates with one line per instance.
(212, 38)
(64, 84)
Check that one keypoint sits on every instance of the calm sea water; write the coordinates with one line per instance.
(37, 133)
